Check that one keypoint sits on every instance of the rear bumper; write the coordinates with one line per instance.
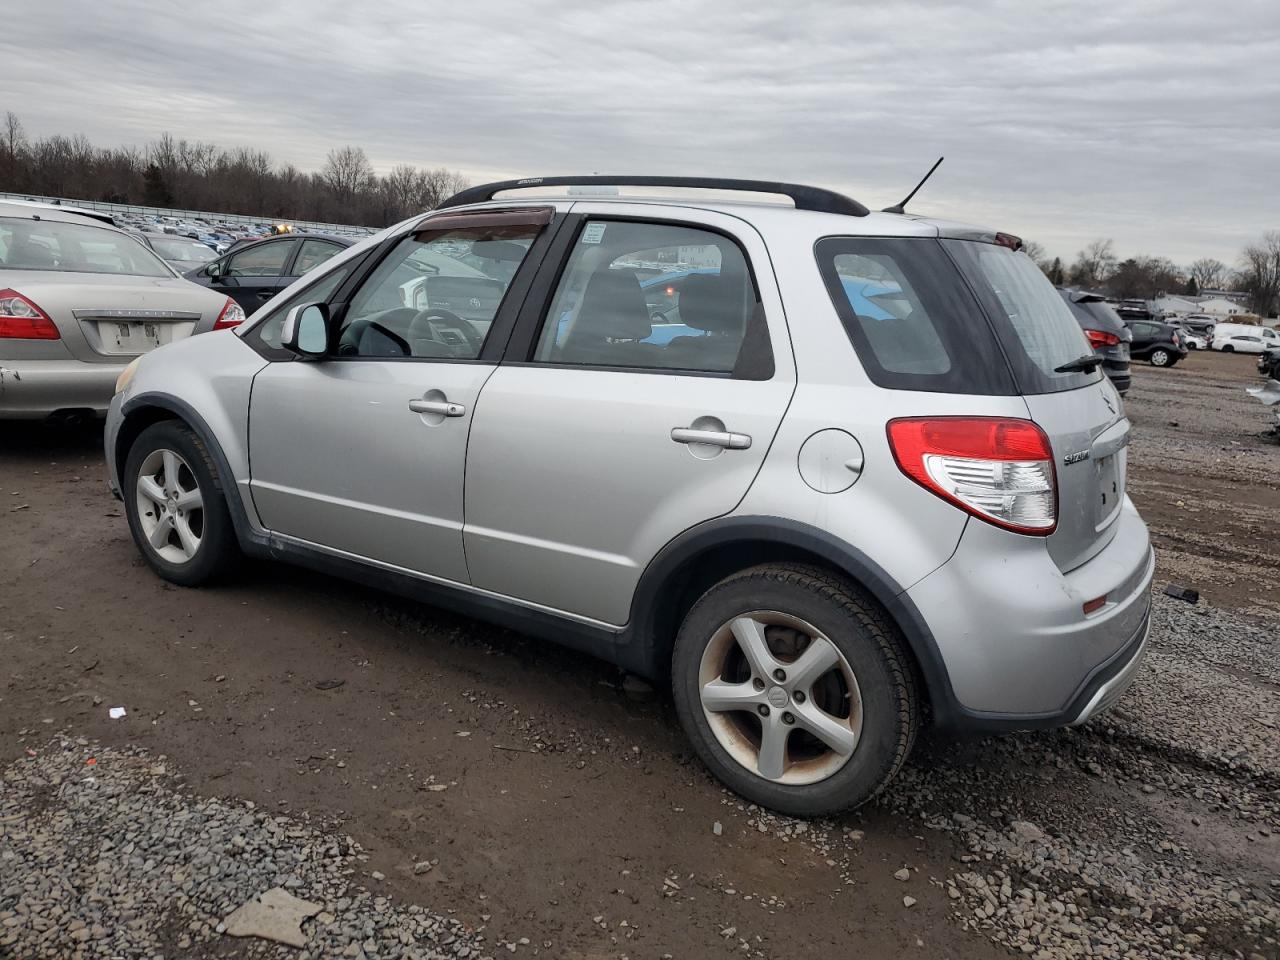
(1017, 648)
(33, 389)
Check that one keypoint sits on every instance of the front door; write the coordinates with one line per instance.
(363, 452)
(605, 438)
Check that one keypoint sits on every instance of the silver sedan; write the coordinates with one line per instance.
(79, 300)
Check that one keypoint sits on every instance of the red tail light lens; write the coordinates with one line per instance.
(999, 470)
(232, 315)
(1100, 338)
(21, 319)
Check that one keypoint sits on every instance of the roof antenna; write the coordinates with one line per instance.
(902, 207)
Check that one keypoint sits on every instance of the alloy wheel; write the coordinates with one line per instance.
(780, 697)
(170, 506)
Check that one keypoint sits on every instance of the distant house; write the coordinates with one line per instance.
(1174, 306)
(1219, 307)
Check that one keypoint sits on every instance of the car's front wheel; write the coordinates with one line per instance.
(176, 510)
(1228, 348)
(795, 689)
(1161, 358)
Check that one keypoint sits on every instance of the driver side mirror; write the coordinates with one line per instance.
(305, 332)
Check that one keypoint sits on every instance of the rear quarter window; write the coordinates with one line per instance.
(911, 317)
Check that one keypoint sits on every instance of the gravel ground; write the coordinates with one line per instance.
(102, 854)
(549, 814)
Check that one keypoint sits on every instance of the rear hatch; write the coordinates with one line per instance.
(1079, 411)
(105, 318)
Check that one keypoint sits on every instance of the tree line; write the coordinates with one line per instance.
(1097, 267)
(194, 175)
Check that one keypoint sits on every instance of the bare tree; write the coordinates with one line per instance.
(1094, 263)
(347, 171)
(1259, 274)
(1143, 276)
(14, 136)
(1208, 272)
(1036, 252)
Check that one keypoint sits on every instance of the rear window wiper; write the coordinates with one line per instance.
(1083, 364)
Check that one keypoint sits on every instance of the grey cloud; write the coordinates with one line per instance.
(1154, 122)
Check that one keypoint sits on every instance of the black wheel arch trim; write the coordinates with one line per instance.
(251, 540)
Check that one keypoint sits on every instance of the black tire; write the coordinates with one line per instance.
(218, 547)
(1228, 348)
(1160, 357)
(864, 635)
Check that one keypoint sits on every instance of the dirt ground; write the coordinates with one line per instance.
(563, 800)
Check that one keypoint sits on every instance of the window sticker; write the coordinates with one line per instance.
(593, 233)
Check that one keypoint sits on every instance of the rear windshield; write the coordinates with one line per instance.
(31, 244)
(1037, 329)
(188, 251)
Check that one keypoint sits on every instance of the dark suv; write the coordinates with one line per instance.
(1160, 343)
(1106, 332)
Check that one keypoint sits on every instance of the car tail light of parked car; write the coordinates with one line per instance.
(232, 315)
(1100, 338)
(21, 319)
(1000, 470)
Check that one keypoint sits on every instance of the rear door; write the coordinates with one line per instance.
(595, 442)
(1080, 412)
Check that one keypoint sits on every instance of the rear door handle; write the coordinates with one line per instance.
(716, 438)
(441, 407)
(266, 294)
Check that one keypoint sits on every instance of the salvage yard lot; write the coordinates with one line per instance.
(509, 796)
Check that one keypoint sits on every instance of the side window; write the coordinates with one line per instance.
(436, 293)
(312, 253)
(260, 260)
(655, 296)
(267, 333)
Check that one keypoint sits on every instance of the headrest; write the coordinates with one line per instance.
(613, 307)
(713, 302)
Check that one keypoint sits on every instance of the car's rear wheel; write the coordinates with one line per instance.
(177, 513)
(1160, 358)
(795, 689)
(1228, 348)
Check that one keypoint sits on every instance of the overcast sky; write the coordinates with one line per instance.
(1155, 123)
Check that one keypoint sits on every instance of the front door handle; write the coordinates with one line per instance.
(715, 438)
(443, 408)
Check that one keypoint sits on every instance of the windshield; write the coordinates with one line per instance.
(30, 244)
(1034, 325)
(188, 251)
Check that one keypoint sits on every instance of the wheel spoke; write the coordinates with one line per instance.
(159, 535)
(190, 542)
(819, 657)
(170, 470)
(826, 728)
(190, 499)
(151, 490)
(721, 696)
(750, 636)
(772, 760)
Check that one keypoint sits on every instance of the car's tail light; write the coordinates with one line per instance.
(21, 319)
(1000, 470)
(232, 315)
(1100, 338)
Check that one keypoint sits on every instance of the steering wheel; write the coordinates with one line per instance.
(473, 337)
(353, 349)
